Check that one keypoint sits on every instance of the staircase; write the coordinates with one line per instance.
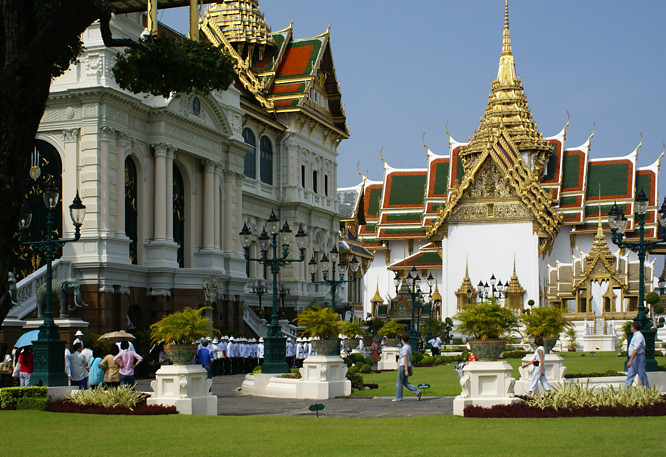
(27, 287)
(260, 326)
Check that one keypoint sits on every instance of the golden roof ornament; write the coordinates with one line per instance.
(377, 298)
(436, 296)
(599, 247)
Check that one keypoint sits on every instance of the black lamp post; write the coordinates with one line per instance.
(433, 304)
(618, 225)
(412, 283)
(274, 343)
(495, 290)
(48, 349)
(283, 291)
(332, 282)
(260, 289)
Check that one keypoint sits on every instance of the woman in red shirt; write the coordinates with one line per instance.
(25, 359)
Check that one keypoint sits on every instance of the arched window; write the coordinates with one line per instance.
(266, 160)
(315, 179)
(25, 259)
(131, 207)
(250, 158)
(179, 214)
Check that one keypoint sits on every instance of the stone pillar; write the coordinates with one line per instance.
(217, 203)
(228, 210)
(103, 176)
(122, 142)
(70, 166)
(169, 193)
(160, 229)
(208, 208)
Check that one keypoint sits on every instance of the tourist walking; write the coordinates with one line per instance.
(111, 368)
(205, 359)
(96, 373)
(405, 371)
(127, 360)
(374, 349)
(539, 373)
(79, 367)
(6, 369)
(636, 352)
(25, 362)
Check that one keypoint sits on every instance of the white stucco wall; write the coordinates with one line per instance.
(489, 249)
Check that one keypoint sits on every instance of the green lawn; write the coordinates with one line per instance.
(443, 379)
(57, 434)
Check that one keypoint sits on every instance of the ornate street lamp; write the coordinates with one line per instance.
(495, 290)
(618, 225)
(260, 289)
(48, 349)
(283, 291)
(328, 275)
(274, 343)
(413, 285)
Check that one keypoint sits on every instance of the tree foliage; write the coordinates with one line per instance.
(320, 321)
(182, 327)
(545, 321)
(164, 65)
(487, 320)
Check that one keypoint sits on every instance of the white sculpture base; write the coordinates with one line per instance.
(599, 342)
(485, 384)
(323, 378)
(388, 360)
(554, 372)
(186, 388)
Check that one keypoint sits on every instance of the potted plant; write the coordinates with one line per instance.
(324, 323)
(548, 322)
(354, 331)
(392, 330)
(179, 331)
(488, 323)
(571, 339)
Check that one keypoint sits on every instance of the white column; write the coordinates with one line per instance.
(217, 203)
(169, 192)
(161, 197)
(208, 204)
(103, 173)
(228, 210)
(122, 143)
(70, 185)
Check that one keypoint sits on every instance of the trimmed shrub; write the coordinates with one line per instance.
(517, 354)
(348, 361)
(416, 358)
(10, 395)
(594, 374)
(32, 403)
(256, 369)
(352, 369)
(356, 358)
(428, 360)
(365, 368)
(356, 380)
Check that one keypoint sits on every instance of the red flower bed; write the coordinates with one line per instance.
(142, 409)
(522, 410)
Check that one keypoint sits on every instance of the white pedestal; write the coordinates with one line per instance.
(62, 323)
(388, 360)
(599, 342)
(185, 387)
(485, 384)
(323, 377)
(554, 371)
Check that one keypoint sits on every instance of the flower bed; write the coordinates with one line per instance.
(141, 409)
(523, 410)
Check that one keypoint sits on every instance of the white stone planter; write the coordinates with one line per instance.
(485, 384)
(388, 360)
(186, 388)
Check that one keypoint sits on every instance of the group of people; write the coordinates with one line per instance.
(435, 345)
(16, 367)
(228, 355)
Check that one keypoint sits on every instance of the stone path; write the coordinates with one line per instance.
(230, 402)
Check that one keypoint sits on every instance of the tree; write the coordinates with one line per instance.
(39, 39)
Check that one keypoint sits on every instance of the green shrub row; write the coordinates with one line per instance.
(10, 395)
(356, 380)
(360, 368)
(32, 403)
(578, 395)
(594, 374)
(517, 354)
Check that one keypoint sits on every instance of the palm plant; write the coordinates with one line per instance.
(353, 329)
(548, 322)
(320, 321)
(392, 329)
(182, 327)
(487, 320)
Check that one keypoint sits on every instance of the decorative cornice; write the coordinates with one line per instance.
(70, 135)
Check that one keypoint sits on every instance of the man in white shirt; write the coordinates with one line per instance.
(289, 350)
(300, 352)
(636, 352)
(436, 344)
(260, 351)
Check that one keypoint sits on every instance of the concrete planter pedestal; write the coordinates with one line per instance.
(388, 360)
(554, 371)
(185, 387)
(485, 384)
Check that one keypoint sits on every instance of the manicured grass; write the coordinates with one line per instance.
(55, 434)
(443, 379)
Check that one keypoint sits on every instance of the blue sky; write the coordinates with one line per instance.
(406, 67)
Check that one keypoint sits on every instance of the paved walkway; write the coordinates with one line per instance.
(230, 402)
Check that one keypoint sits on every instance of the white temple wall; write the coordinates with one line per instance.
(489, 249)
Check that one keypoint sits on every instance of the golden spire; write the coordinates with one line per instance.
(507, 111)
(599, 245)
(506, 74)
(377, 298)
(436, 295)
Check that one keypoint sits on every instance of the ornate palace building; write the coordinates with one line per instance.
(509, 205)
(169, 182)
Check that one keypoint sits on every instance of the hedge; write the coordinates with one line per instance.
(10, 395)
(38, 404)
